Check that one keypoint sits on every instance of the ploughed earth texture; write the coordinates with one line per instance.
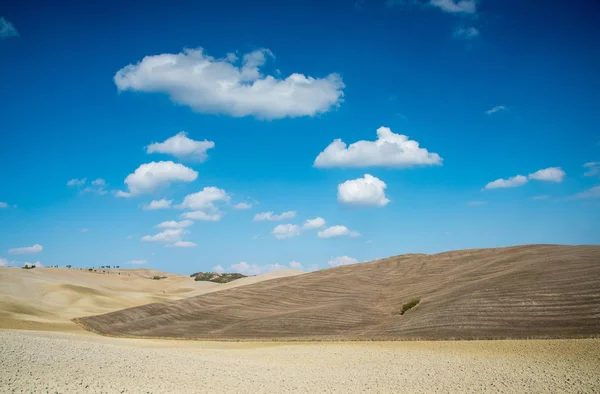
(534, 291)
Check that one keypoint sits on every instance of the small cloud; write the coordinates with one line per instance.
(476, 203)
(170, 235)
(286, 231)
(497, 108)
(4, 262)
(158, 204)
(150, 176)
(270, 216)
(7, 29)
(137, 262)
(312, 224)
(202, 216)
(552, 174)
(367, 191)
(542, 197)
(593, 168)
(37, 248)
(242, 205)
(254, 269)
(99, 182)
(3, 205)
(182, 244)
(370, 241)
(174, 224)
(76, 182)
(218, 269)
(182, 147)
(337, 231)
(296, 265)
(465, 33)
(514, 181)
(341, 260)
(84, 230)
(590, 193)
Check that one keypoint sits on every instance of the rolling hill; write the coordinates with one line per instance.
(534, 291)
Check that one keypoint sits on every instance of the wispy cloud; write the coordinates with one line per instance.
(593, 168)
(495, 109)
(7, 29)
(466, 33)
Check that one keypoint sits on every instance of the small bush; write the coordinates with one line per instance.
(409, 305)
(158, 277)
(28, 267)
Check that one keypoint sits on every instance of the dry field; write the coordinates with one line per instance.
(535, 291)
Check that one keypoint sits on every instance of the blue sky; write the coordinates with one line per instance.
(469, 100)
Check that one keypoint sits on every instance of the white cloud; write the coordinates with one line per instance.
(4, 262)
(218, 269)
(337, 231)
(542, 197)
(99, 182)
(514, 181)
(204, 199)
(84, 230)
(174, 224)
(253, 269)
(77, 182)
(182, 244)
(182, 147)
(242, 205)
(7, 29)
(3, 205)
(220, 86)
(476, 203)
(594, 192)
(296, 265)
(202, 216)
(270, 216)
(37, 248)
(341, 260)
(158, 204)
(166, 236)
(389, 150)
(497, 108)
(286, 231)
(137, 262)
(456, 6)
(367, 190)
(466, 33)
(150, 176)
(312, 224)
(594, 168)
(552, 174)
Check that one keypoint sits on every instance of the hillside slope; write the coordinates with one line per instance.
(515, 292)
(48, 298)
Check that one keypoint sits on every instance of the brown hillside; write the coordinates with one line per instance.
(516, 292)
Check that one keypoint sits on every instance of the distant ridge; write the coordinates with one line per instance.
(533, 291)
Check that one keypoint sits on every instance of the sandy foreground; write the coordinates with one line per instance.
(55, 362)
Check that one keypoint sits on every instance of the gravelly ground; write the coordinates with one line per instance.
(50, 362)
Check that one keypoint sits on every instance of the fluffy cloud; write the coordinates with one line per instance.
(7, 29)
(158, 204)
(270, 216)
(497, 108)
(337, 231)
(37, 248)
(150, 176)
(389, 150)
(202, 216)
(221, 86)
(312, 224)
(182, 244)
(341, 260)
(204, 199)
(242, 205)
(465, 33)
(514, 181)
(253, 269)
(218, 269)
(286, 231)
(166, 236)
(137, 262)
(594, 168)
(594, 192)
(174, 224)
(296, 265)
(77, 182)
(183, 147)
(367, 190)
(99, 182)
(552, 174)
